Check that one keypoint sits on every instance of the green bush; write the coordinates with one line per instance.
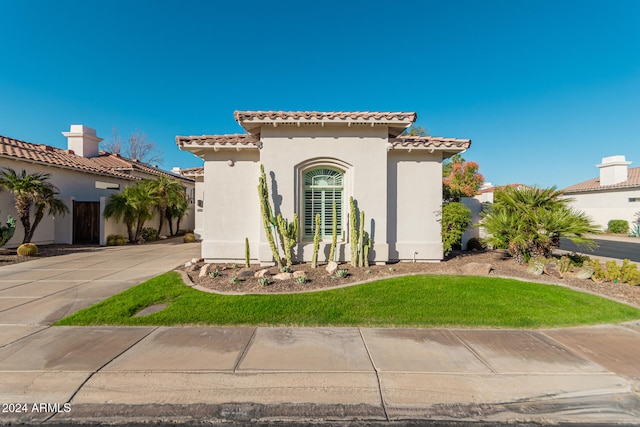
(618, 226)
(189, 238)
(455, 219)
(475, 244)
(149, 234)
(27, 249)
(116, 240)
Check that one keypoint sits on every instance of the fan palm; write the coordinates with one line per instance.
(31, 190)
(530, 221)
(166, 193)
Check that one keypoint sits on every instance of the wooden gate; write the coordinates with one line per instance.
(86, 223)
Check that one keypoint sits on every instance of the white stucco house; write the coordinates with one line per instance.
(313, 159)
(614, 194)
(85, 178)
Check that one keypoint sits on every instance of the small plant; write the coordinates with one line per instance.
(391, 269)
(598, 272)
(27, 249)
(116, 240)
(475, 244)
(342, 273)
(629, 273)
(213, 274)
(285, 269)
(635, 230)
(234, 280)
(564, 265)
(301, 280)
(189, 238)
(149, 234)
(368, 271)
(613, 271)
(264, 281)
(618, 226)
(578, 260)
(234, 265)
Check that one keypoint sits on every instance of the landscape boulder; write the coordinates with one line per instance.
(477, 268)
(261, 273)
(331, 267)
(283, 276)
(552, 270)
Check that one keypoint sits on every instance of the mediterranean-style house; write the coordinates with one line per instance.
(313, 160)
(614, 194)
(85, 178)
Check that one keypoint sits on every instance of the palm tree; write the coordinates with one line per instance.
(530, 221)
(32, 190)
(134, 206)
(118, 207)
(177, 210)
(166, 193)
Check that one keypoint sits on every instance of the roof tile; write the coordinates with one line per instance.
(633, 180)
(317, 115)
(429, 142)
(232, 139)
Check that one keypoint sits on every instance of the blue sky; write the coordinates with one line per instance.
(544, 89)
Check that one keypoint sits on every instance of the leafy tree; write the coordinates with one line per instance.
(455, 219)
(134, 206)
(32, 190)
(415, 130)
(138, 147)
(177, 211)
(462, 179)
(119, 207)
(529, 222)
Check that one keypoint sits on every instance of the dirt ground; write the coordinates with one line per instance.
(318, 278)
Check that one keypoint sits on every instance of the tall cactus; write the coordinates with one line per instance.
(366, 248)
(353, 232)
(361, 241)
(267, 216)
(316, 243)
(334, 233)
(247, 255)
(289, 235)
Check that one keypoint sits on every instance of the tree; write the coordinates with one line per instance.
(136, 147)
(530, 221)
(134, 205)
(462, 180)
(119, 208)
(177, 211)
(415, 130)
(166, 193)
(32, 190)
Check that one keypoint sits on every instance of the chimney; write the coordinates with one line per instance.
(613, 170)
(82, 140)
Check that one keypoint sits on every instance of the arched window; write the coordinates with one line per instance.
(322, 188)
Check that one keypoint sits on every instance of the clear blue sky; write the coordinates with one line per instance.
(544, 89)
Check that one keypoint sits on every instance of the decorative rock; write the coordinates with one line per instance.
(477, 268)
(535, 269)
(331, 267)
(245, 272)
(552, 270)
(204, 270)
(584, 273)
(283, 276)
(162, 237)
(297, 274)
(196, 260)
(188, 264)
(261, 273)
(192, 267)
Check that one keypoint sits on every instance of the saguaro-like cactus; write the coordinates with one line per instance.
(289, 236)
(334, 236)
(353, 232)
(361, 241)
(316, 243)
(247, 255)
(267, 216)
(366, 248)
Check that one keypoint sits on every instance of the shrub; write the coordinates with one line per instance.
(285, 269)
(149, 234)
(618, 226)
(116, 240)
(342, 273)
(264, 281)
(213, 274)
(189, 238)
(475, 244)
(301, 280)
(455, 219)
(234, 280)
(27, 249)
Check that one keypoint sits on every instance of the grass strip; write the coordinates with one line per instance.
(411, 301)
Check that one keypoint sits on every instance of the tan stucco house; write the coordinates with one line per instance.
(313, 159)
(85, 178)
(613, 194)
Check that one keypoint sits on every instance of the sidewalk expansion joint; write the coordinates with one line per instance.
(102, 367)
(245, 350)
(475, 353)
(375, 369)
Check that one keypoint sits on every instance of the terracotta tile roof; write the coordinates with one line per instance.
(193, 171)
(633, 181)
(48, 155)
(317, 115)
(119, 163)
(237, 139)
(429, 142)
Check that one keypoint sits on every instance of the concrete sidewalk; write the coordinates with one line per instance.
(342, 376)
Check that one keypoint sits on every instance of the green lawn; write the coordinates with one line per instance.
(420, 301)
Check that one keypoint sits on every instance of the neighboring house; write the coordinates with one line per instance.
(614, 194)
(85, 178)
(315, 159)
(197, 174)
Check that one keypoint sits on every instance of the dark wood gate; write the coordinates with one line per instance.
(86, 223)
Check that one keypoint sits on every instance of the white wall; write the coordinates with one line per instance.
(603, 206)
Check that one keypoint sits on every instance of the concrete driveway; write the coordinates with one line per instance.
(288, 375)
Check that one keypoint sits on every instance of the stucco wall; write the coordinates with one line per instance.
(359, 151)
(605, 206)
(414, 197)
(231, 205)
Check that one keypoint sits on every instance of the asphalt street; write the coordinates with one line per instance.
(607, 249)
